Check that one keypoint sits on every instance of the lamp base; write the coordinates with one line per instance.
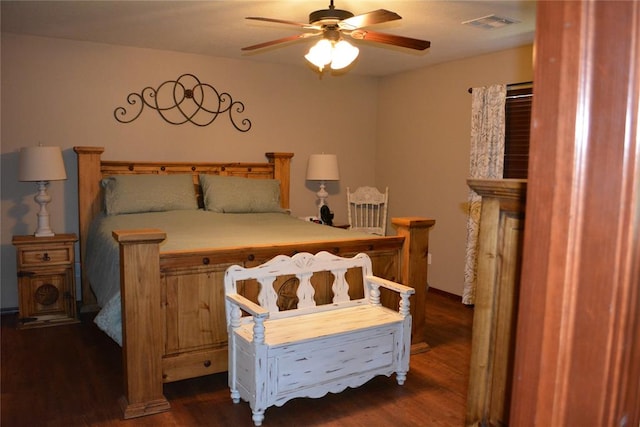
(42, 199)
(322, 197)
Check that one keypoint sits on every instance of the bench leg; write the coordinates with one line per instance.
(258, 416)
(401, 377)
(405, 346)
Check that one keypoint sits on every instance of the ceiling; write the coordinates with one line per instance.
(218, 28)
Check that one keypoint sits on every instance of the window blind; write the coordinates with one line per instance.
(517, 128)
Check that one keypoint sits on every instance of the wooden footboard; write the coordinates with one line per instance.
(173, 322)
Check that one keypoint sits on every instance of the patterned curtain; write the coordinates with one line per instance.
(486, 161)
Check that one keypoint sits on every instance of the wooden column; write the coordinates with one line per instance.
(142, 322)
(414, 271)
(495, 311)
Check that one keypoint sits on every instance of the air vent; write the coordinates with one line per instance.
(490, 22)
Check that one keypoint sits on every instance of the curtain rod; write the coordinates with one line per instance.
(509, 86)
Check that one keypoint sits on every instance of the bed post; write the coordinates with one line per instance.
(89, 204)
(142, 322)
(413, 271)
(282, 172)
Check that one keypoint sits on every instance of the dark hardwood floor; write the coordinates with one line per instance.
(71, 376)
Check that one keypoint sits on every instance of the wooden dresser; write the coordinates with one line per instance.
(495, 312)
(46, 280)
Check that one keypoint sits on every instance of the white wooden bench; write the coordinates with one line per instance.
(310, 350)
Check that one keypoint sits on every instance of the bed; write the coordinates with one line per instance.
(167, 308)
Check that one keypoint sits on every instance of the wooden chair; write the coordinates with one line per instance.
(367, 210)
(310, 350)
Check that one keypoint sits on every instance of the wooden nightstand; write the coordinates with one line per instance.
(46, 280)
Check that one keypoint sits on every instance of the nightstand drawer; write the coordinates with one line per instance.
(45, 256)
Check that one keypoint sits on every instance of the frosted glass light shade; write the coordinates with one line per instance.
(343, 54)
(41, 163)
(323, 167)
(320, 54)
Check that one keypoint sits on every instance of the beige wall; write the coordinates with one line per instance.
(424, 122)
(61, 92)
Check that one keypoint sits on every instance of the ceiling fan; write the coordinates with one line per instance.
(332, 24)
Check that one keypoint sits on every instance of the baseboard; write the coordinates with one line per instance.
(445, 294)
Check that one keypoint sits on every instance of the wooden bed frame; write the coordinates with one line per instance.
(173, 321)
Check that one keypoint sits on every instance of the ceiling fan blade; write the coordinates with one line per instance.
(282, 21)
(282, 40)
(376, 17)
(391, 39)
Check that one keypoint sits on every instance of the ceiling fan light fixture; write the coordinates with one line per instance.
(332, 25)
(339, 54)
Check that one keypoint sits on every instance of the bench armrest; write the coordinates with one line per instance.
(249, 306)
(402, 289)
(374, 283)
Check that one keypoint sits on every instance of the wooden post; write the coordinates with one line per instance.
(413, 271)
(89, 176)
(142, 323)
(495, 312)
(282, 172)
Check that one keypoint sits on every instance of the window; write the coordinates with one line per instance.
(516, 132)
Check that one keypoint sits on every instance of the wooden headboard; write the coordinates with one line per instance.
(92, 169)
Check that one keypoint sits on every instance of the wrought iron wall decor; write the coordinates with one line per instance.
(184, 100)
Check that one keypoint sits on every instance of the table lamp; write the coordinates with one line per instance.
(41, 164)
(322, 167)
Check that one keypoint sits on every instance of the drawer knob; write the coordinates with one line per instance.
(46, 257)
(207, 363)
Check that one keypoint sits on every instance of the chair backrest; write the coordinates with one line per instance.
(274, 292)
(367, 210)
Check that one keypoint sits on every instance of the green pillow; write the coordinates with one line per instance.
(125, 194)
(234, 194)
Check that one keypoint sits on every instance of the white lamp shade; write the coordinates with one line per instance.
(323, 167)
(41, 163)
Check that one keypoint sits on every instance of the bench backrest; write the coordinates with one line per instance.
(303, 266)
